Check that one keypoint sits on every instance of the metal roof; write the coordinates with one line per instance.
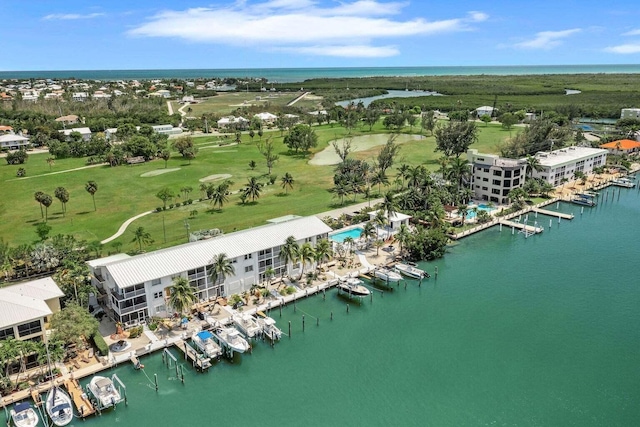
(43, 289)
(16, 309)
(175, 260)
(100, 262)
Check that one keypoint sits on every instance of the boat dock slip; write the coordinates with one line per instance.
(197, 360)
(527, 228)
(552, 213)
(37, 399)
(79, 397)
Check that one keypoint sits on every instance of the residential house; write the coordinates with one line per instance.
(138, 287)
(11, 141)
(493, 177)
(485, 110)
(70, 119)
(167, 129)
(267, 119)
(623, 146)
(80, 96)
(630, 113)
(5, 129)
(85, 132)
(565, 162)
(231, 122)
(26, 309)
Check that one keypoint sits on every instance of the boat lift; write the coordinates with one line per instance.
(167, 359)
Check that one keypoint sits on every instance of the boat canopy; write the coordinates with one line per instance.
(204, 335)
(21, 406)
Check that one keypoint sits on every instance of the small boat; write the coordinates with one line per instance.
(624, 182)
(583, 201)
(104, 391)
(269, 328)
(120, 346)
(247, 325)
(387, 275)
(204, 342)
(410, 271)
(23, 415)
(231, 338)
(58, 405)
(588, 194)
(353, 286)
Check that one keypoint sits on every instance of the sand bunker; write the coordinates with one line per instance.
(328, 156)
(158, 172)
(215, 177)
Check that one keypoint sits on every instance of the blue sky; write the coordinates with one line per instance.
(81, 34)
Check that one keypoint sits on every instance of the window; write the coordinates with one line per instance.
(248, 256)
(506, 183)
(505, 192)
(29, 328)
(516, 182)
(155, 282)
(495, 191)
(248, 268)
(516, 172)
(6, 333)
(496, 182)
(486, 169)
(485, 179)
(507, 174)
(497, 173)
(160, 308)
(157, 295)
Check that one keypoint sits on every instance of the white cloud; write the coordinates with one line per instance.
(632, 33)
(71, 16)
(624, 49)
(547, 39)
(301, 26)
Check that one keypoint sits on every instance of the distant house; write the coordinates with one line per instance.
(99, 94)
(70, 119)
(12, 141)
(623, 146)
(231, 122)
(6, 129)
(267, 118)
(165, 93)
(166, 129)
(110, 134)
(485, 110)
(5, 96)
(80, 96)
(85, 132)
(26, 309)
(630, 113)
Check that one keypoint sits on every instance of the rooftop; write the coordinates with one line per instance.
(566, 155)
(27, 301)
(623, 144)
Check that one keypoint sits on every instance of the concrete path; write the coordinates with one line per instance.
(170, 108)
(297, 99)
(123, 227)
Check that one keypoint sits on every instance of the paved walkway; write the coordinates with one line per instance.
(335, 213)
(123, 227)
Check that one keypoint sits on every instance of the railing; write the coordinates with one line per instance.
(135, 307)
(127, 295)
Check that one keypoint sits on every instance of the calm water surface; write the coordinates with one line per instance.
(538, 331)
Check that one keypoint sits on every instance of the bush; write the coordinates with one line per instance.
(159, 209)
(101, 345)
(190, 201)
(171, 206)
(21, 172)
(135, 332)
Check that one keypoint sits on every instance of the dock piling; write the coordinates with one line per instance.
(289, 328)
(347, 308)
(332, 315)
(303, 323)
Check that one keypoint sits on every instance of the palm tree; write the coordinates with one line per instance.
(369, 232)
(62, 194)
(221, 268)
(46, 200)
(340, 190)
(253, 188)
(378, 244)
(403, 172)
(51, 161)
(219, 196)
(38, 196)
(181, 295)
(533, 164)
(402, 236)
(389, 205)
(92, 188)
(305, 255)
(322, 251)
(141, 237)
(463, 211)
(379, 178)
(289, 251)
(268, 274)
(287, 182)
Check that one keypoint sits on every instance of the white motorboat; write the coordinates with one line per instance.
(410, 271)
(23, 415)
(387, 275)
(104, 391)
(624, 182)
(353, 286)
(247, 325)
(269, 328)
(231, 338)
(204, 342)
(58, 405)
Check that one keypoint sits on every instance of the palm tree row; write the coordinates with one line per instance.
(292, 252)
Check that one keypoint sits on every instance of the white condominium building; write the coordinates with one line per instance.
(493, 177)
(565, 162)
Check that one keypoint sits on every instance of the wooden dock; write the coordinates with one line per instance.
(37, 398)
(552, 213)
(197, 360)
(530, 229)
(79, 397)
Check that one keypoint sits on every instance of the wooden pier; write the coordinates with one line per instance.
(529, 229)
(79, 397)
(37, 398)
(552, 213)
(197, 360)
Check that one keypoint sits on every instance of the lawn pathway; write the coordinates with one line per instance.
(123, 227)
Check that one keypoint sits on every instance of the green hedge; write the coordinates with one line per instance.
(103, 348)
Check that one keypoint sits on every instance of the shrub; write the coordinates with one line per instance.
(135, 332)
(171, 206)
(21, 172)
(159, 209)
(101, 345)
(190, 201)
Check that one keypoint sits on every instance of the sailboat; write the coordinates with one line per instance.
(58, 402)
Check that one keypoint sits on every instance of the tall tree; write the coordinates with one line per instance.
(221, 268)
(219, 196)
(142, 237)
(92, 188)
(181, 295)
(301, 138)
(47, 200)
(305, 255)
(322, 251)
(165, 194)
(253, 188)
(387, 155)
(287, 182)
(62, 194)
(38, 197)
(428, 121)
(268, 152)
(289, 251)
(455, 137)
(533, 165)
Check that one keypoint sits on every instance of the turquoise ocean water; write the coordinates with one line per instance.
(538, 331)
(287, 75)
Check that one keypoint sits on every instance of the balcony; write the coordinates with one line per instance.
(127, 295)
(131, 308)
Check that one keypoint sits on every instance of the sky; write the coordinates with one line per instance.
(160, 34)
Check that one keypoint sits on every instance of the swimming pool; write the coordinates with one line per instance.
(354, 233)
(481, 207)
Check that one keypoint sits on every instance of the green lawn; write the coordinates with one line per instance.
(123, 192)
